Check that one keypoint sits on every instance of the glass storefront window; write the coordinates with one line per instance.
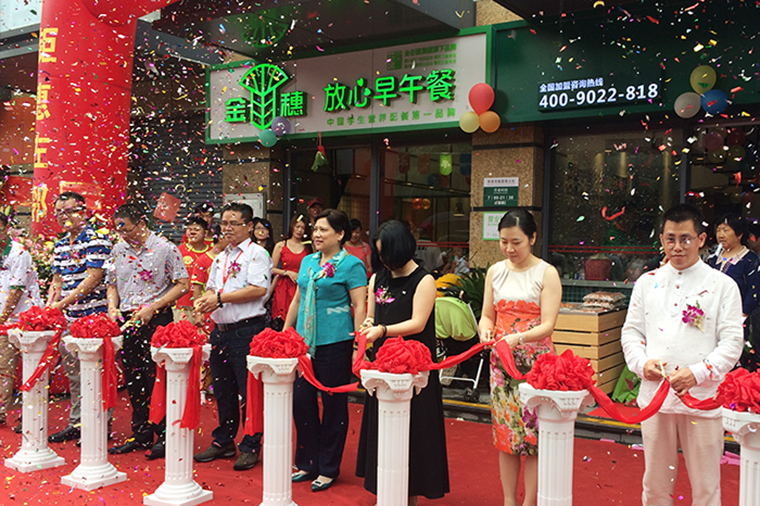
(607, 193)
(428, 187)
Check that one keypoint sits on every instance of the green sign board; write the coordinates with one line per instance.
(500, 191)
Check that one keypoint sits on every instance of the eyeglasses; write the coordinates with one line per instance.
(685, 240)
(120, 228)
(67, 212)
(225, 224)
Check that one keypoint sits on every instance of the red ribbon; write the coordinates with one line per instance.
(254, 406)
(108, 374)
(191, 415)
(158, 399)
(702, 404)
(48, 360)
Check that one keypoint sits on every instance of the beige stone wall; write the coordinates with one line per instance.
(513, 151)
(488, 12)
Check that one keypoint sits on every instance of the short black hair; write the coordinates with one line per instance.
(355, 224)
(131, 211)
(397, 246)
(197, 220)
(684, 212)
(338, 221)
(3, 220)
(206, 207)
(71, 195)
(246, 213)
(519, 218)
(738, 224)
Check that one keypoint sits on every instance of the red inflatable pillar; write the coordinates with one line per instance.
(84, 88)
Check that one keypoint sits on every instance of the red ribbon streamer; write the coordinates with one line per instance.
(254, 406)
(702, 404)
(652, 408)
(108, 374)
(158, 399)
(49, 358)
(191, 415)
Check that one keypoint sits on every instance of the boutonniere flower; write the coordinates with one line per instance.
(328, 269)
(694, 316)
(146, 275)
(233, 270)
(383, 296)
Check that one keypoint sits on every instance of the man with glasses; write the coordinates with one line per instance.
(146, 275)
(77, 288)
(685, 324)
(238, 282)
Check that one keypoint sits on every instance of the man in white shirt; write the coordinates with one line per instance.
(238, 282)
(19, 291)
(685, 319)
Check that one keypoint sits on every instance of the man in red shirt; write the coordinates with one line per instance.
(191, 251)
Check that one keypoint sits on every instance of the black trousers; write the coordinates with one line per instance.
(320, 443)
(140, 374)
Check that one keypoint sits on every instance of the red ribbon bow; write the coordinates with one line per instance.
(43, 319)
(99, 326)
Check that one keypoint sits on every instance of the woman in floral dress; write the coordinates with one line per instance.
(520, 304)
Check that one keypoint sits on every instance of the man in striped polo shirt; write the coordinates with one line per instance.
(78, 288)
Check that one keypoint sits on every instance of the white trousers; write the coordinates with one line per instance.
(700, 439)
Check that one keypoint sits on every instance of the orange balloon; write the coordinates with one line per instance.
(489, 121)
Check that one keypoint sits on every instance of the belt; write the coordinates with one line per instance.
(226, 327)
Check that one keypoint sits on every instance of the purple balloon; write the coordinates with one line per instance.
(280, 126)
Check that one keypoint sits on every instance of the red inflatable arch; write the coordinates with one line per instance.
(84, 88)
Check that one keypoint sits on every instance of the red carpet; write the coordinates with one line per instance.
(604, 473)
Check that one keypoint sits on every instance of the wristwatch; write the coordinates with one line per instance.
(521, 339)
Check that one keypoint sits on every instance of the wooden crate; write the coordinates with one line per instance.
(591, 322)
(586, 338)
(591, 352)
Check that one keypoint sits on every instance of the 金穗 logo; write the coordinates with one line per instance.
(263, 81)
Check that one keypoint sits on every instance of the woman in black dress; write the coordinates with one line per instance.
(401, 302)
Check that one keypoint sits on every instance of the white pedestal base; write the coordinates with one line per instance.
(35, 454)
(556, 411)
(94, 471)
(179, 488)
(278, 375)
(745, 427)
(394, 396)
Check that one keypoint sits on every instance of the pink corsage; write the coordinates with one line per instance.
(383, 296)
(146, 275)
(694, 316)
(233, 270)
(329, 269)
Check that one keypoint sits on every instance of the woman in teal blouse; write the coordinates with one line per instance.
(330, 283)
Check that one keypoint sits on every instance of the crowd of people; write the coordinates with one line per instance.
(232, 280)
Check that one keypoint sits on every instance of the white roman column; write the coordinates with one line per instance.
(35, 454)
(179, 488)
(94, 471)
(277, 375)
(556, 412)
(745, 427)
(394, 395)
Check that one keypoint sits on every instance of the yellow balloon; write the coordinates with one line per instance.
(469, 122)
(489, 121)
(703, 79)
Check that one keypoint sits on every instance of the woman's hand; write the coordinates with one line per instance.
(293, 275)
(486, 336)
(512, 340)
(373, 333)
(367, 323)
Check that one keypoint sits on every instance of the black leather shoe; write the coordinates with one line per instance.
(214, 452)
(300, 476)
(130, 446)
(158, 451)
(319, 486)
(68, 434)
(247, 460)
(19, 428)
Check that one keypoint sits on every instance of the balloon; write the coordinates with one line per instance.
(736, 137)
(703, 78)
(426, 204)
(267, 138)
(468, 122)
(714, 101)
(481, 98)
(736, 153)
(417, 204)
(716, 156)
(489, 121)
(688, 104)
(713, 141)
(434, 179)
(280, 126)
